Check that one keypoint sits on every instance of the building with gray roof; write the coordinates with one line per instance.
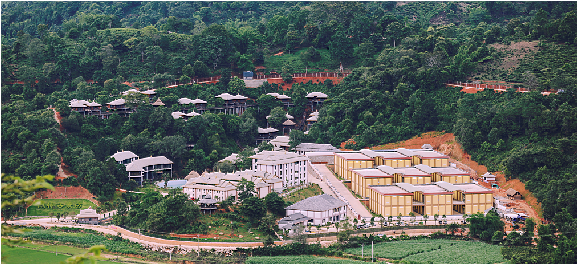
(321, 209)
(150, 168)
(124, 157)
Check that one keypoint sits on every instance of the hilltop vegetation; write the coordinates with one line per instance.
(400, 55)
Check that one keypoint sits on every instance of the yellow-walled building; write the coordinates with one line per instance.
(390, 158)
(362, 178)
(429, 199)
(425, 156)
(469, 198)
(407, 175)
(447, 174)
(346, 161)
(389, 200)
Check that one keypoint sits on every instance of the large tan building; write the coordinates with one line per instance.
(362, 178)
(390, 158)
(469, 198)
(407, 175)
(390, 200)
(440, 198)
(447, 174)
(346, 161)
(425, 156)
(429, 199)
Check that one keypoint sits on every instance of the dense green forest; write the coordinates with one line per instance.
(400, 56)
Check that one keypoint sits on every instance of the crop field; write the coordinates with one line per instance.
(435, 251)
(59, 206)
(25, 255)
(298, 260)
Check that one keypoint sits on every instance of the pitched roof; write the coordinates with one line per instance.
(511, 192)
(117, 102)
(316, 94)
(447, 171)
(149, 92)
(158, 102)
(138, 164)
(288, 123)
(266, 130)
(120, 156)
(177, 115)
(191, 114)
(317, 203)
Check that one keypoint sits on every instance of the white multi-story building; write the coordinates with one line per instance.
(220, 185)
(288, 166)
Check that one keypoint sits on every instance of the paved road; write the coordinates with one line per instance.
(153, 242)
(342, 190)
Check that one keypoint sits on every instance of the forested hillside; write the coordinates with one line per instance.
(400, 55)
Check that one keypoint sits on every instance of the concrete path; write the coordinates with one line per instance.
(343, 191)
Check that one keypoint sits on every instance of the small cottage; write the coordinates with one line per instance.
(88, 216)
(513, 194)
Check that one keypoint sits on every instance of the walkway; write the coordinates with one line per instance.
(343, 193)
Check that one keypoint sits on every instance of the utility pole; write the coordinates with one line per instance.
(371, 251)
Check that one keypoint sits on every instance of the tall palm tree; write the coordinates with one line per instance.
(436, 219)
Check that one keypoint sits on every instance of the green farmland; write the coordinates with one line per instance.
(59, 206)
(435, 251)
(25, 255)
(298, 260)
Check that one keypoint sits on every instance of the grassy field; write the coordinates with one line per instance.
(293, 60)
(27, 255)
(435, 251)
(297, 196)
(298, 260)
(59, 206)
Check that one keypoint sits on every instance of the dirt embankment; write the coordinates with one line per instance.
(70, 192)
(447, 144)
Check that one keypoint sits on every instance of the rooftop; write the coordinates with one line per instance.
(371, 173)
(442, 170)
(423, 153)
(314, 147)
(138, 164)
(277, 157)
(123, 155)
(316, 94)
(389, 190)
(426, 188)
(353, 156)
(317, 203)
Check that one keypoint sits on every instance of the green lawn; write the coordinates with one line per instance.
(59, 206)
(298, 260)
(24, 255)
(435, 251)
(304, 193)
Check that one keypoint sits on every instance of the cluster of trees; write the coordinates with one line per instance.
(156, 213)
